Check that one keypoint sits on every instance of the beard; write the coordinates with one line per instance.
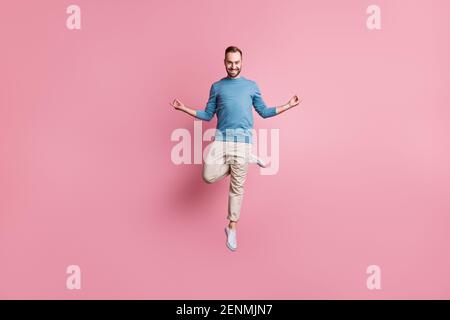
(233, 74)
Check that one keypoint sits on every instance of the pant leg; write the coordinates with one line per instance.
(215, 166)
(238, 174)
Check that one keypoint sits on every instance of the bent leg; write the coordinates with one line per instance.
(215, 172)
(215, 167)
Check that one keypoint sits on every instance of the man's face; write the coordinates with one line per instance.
(233, 64)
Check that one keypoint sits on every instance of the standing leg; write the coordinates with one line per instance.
(238, 173)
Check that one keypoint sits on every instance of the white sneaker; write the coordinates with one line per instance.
(254, 159)
(231, 238)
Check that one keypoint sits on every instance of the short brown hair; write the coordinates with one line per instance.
(232, 49)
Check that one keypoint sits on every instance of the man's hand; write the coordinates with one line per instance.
(294, 101)
(177, 104)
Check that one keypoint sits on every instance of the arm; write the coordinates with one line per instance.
(294, 101)
(206, 114)
(266, 112)
(178, 105)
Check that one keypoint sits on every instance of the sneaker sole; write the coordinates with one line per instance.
(261, 164)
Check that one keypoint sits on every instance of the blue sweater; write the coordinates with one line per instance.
(232, 100)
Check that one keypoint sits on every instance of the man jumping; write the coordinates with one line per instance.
(232, 98)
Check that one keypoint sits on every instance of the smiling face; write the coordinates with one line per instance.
(233, 64)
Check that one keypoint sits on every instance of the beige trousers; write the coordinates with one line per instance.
(228, 158)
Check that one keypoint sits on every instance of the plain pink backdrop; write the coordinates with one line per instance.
(86, 176)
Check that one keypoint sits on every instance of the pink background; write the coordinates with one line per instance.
(86, 176)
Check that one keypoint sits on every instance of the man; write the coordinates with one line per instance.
(231, 98)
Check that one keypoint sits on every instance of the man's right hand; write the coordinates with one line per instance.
(177, 104)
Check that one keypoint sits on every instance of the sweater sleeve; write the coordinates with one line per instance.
(260, 105)
(210, 109)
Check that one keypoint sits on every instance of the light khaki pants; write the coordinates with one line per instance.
(228, 158)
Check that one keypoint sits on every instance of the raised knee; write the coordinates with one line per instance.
(208, 179)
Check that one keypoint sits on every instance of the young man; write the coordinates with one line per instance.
(232, 98)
